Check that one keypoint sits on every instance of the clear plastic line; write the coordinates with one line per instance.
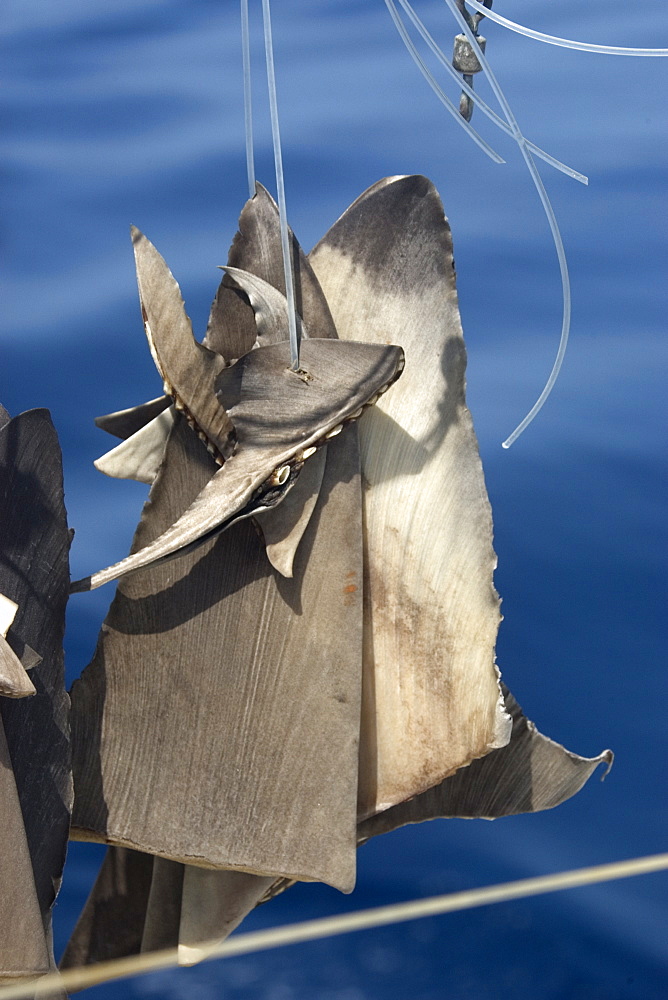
(248, 98)
(482, 105)
(280, 187)
(551, 218)
(447, 103)
(312, 930)
(566, 43)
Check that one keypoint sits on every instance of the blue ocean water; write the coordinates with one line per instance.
(130, 112)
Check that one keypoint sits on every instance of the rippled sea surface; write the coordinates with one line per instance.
(131, 112)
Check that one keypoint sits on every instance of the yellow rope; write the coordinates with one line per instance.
(310, 930)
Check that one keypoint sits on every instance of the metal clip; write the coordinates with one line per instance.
(464, 56)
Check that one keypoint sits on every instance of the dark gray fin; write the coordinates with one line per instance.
(188, 369)
(111, 924)
(202, 757)
(34, 574)
(257, 248)
(529, 774)
(140, 455)
(280, 417)
(163, 907)
(124, 423)
(432, 701)
(269, 306)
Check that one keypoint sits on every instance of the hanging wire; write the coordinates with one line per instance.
(566, 43)
(280, 187)
(312, 930)
(248, 98)
(551, 218)
(480, 103)
(447, 103)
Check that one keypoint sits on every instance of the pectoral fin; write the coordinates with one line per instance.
(140, 455)
(124, 423)
(14, 681)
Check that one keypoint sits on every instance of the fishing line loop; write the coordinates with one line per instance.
(280, 187)
(248, 98)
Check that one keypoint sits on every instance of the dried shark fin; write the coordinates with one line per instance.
(280, 417)
(529, 774)
(283, 526)
(140, 903)
(213, 904)
(23, 944)
(163, 906)
(269, 306)
(140, 455)
(111, 924)
(257, 248)
(124, 423)
(242, 666)
(188, 369)
(14, 681)
(431, 701)
(35, 776)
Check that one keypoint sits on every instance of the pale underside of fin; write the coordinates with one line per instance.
(14, 681)
(531, 773)
(213, 904)
(140, 455)
(124, 423)
(431, 699)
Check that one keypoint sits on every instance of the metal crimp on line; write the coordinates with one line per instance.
(464, 59)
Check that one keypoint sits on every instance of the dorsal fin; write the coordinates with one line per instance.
(269, 306)
(257, 248)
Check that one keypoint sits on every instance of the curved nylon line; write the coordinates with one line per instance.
(248, 99)
(482, 105)
(551, 218)
(415, 56)
(280, 187)
(311, 930)
(565, 43)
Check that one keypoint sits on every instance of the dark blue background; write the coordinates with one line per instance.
(131, 111)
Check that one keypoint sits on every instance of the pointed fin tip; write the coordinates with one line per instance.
(14, 681)
(190, 954)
